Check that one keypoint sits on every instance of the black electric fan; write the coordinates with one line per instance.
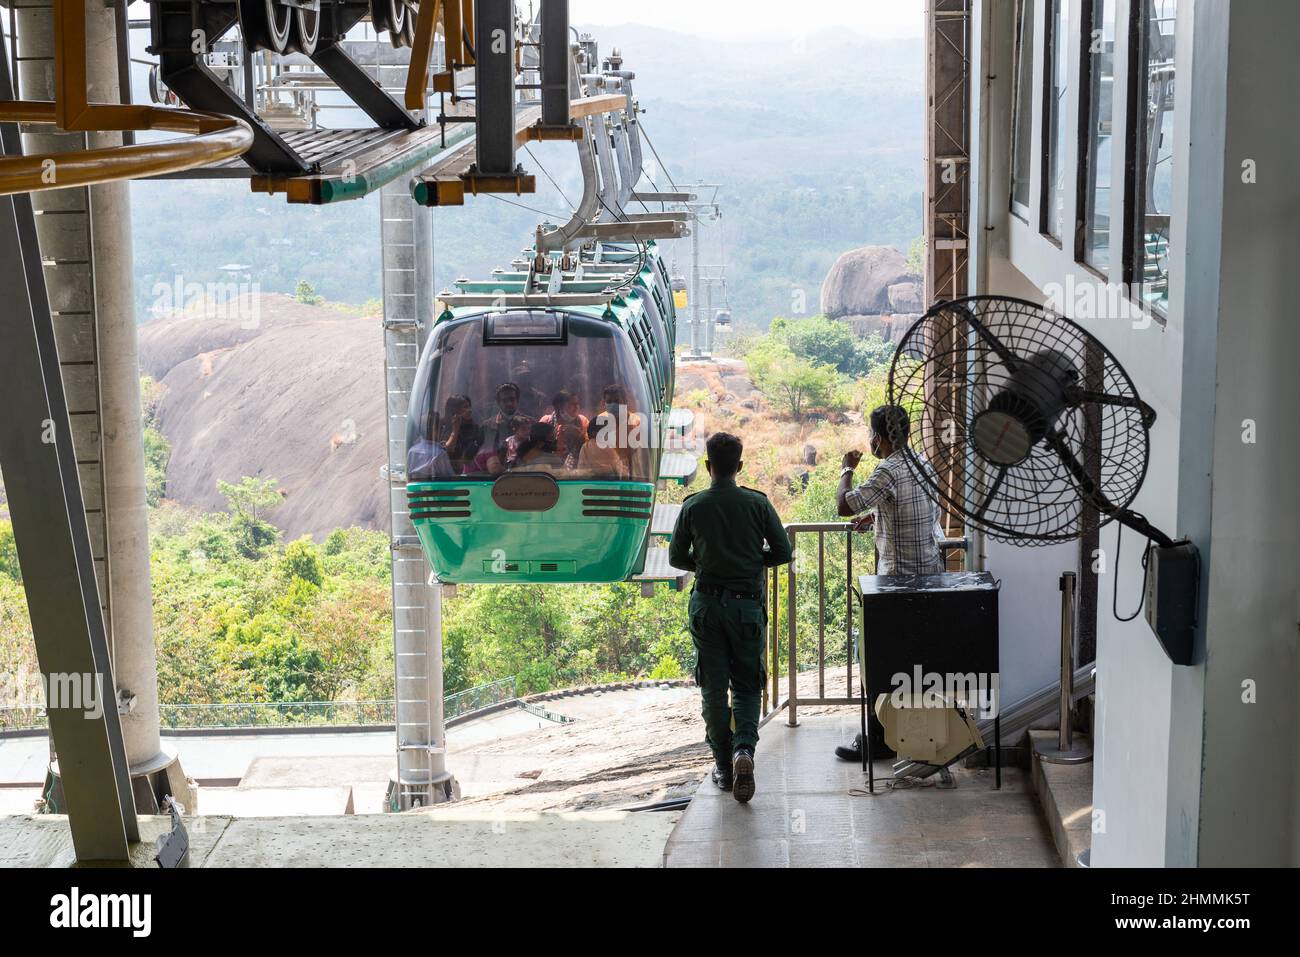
(1036, 434)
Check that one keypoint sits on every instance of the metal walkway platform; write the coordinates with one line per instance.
(665, 518)
(680, 421)
(679, 467)
(657, 569)
(348, 164)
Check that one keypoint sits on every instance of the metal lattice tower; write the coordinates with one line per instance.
(406, 231)
(947, 205)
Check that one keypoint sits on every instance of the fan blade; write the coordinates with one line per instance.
(1078, 396)
(977, 515)
(1056, 441)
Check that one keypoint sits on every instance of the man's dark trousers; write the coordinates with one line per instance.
(728, 636)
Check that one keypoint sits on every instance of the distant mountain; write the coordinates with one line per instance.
(817, 143)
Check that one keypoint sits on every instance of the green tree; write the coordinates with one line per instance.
(246, 501)
(789, 381)
(916, 256)
(301, 561)
(157, 450)
(9, 552)
(305, 293)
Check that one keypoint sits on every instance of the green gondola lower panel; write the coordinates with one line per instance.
(487, 532)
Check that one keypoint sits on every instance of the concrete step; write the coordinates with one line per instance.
(1065, 793)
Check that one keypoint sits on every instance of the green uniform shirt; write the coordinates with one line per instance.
(721, 533)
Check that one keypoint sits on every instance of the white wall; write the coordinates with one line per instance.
(1249, 805)
(1137, 707)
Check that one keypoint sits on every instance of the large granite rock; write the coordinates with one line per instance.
(870, 281)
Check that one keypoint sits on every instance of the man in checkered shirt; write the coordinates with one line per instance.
(906, 519)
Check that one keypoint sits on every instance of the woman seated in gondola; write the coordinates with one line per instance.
(540, 451)
(462, 437)
(565, 411)
(600, 456)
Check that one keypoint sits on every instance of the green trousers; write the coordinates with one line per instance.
(728, 636)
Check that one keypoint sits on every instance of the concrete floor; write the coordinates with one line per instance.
(474, 839)
(330, 772)
(808, 812)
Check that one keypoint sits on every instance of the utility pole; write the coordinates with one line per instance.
(703, 209)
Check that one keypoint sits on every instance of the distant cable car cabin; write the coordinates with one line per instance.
(536, 429)
(681, 298)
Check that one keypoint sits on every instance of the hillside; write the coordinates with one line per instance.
(298, 398)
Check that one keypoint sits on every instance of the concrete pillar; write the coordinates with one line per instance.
(99, 277)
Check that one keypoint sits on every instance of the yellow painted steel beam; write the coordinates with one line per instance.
(594, 105)
(417, 74)
(212, 138)
(453, 35)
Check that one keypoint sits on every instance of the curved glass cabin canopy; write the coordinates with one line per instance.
(533, 442)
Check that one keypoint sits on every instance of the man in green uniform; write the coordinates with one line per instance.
(728, 535)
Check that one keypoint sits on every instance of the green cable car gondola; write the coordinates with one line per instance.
(537, 423)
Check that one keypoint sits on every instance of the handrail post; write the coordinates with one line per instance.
(793, 672)
(821, 613)
(1066, 751)
(848, 614)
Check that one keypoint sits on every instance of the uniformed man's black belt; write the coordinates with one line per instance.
(717, 591)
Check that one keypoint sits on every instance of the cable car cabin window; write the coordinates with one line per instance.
(655, 315)
(530, 390)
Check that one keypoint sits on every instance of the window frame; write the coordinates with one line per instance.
(1085, 185)
(1053, 13)
(1022, 211)
(1135, 147)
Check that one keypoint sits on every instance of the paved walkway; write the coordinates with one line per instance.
(804, 814)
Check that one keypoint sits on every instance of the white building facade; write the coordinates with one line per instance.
(1133, 164)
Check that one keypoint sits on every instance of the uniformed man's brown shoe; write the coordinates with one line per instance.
(742, 773)
(722, 778)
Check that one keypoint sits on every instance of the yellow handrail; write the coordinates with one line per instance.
(214, 137)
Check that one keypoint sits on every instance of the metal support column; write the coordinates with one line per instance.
(947, 212)
(422, 777)
(53, 542)
(555, 60)
(85, 244)
(494, 91)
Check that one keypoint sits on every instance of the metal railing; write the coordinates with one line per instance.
(826, 654)
(772, 702)
(284, 714)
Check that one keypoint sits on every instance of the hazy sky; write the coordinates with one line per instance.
(750, 19)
